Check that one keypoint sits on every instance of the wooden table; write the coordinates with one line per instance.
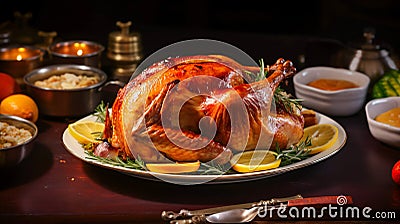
(53, 186)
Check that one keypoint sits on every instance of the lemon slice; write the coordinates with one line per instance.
(86, 131)
(322, 137)
(186, 167)
(254, 160)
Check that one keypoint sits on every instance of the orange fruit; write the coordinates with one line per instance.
(8, 86)
(20, 105)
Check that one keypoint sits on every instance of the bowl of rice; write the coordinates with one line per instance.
(16, 139)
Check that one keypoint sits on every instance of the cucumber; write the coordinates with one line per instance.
(387, 85)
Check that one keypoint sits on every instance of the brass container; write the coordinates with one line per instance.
(124, 51)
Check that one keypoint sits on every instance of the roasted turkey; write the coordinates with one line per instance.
(203, 107)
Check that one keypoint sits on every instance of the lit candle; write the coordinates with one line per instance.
(19, 53)
(73, 48)
(19, 60)
(81, 48)
(21, 50)
(77, 52)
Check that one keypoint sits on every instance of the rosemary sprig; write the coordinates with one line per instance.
(280, 95)
(284, 98)
(100, 112)
(211, 168)
(288, 156)
(98, 135)
(294, 153)
(261, 75)
(137, 163)
(255, 77)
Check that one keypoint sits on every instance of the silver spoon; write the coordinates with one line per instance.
(239, 215)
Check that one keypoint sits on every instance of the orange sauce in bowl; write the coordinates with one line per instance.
(390, 117)
(332, 84)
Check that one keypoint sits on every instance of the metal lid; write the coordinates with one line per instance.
(368, 43)
(369, 48)
(369, 35)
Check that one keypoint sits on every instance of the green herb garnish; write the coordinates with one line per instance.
(280, 95)
(261, 75)
(294, 153)
(211, 168)
(136, 164)
(100, 112)
(286, 100)
(98, 135)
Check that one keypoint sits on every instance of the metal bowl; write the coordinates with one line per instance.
(12, 156)
(67, 102)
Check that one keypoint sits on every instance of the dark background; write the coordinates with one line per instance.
(165, 22)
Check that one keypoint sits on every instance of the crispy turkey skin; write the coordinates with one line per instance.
(203, 108)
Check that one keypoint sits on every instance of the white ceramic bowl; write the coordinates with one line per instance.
(344, 102)
(383, 132)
